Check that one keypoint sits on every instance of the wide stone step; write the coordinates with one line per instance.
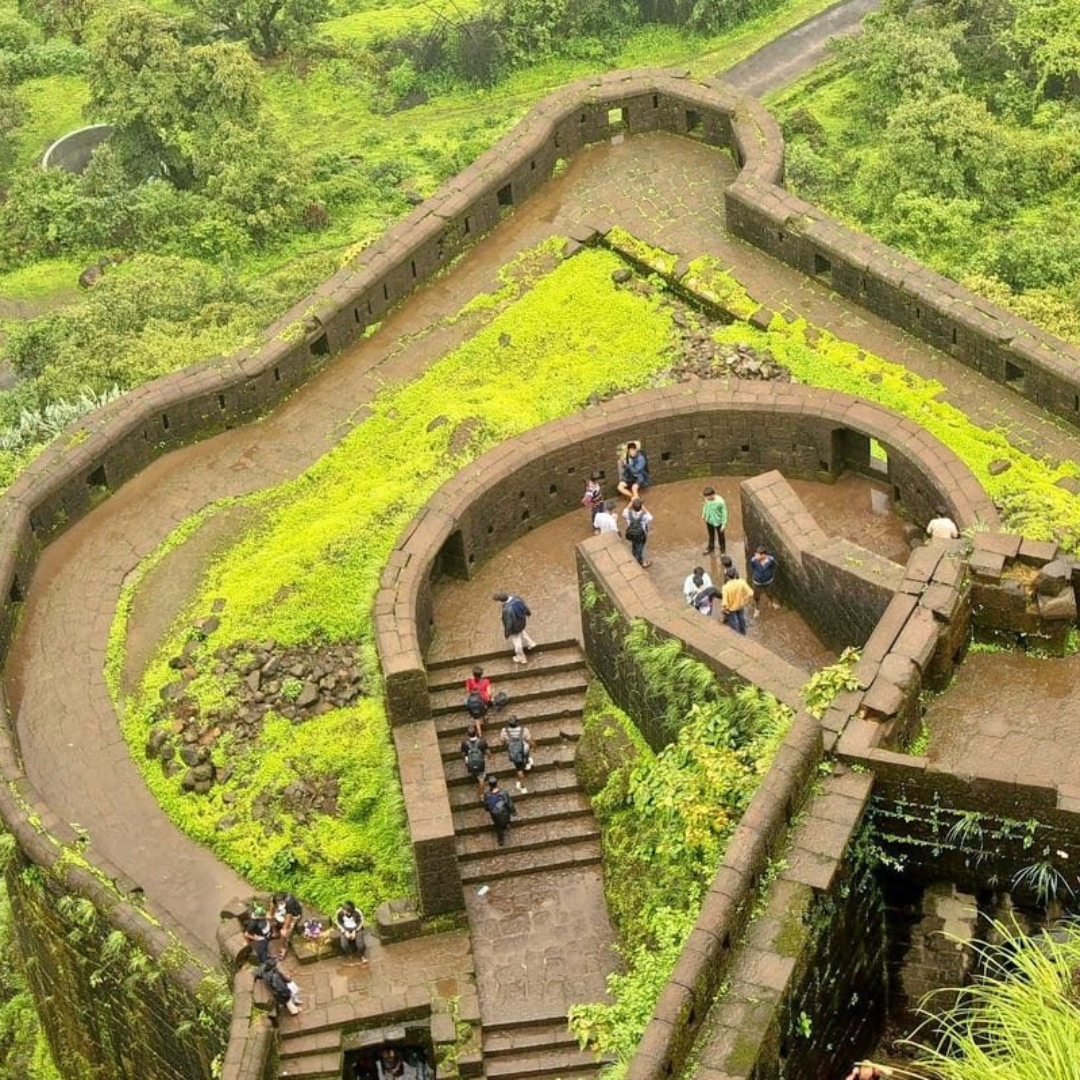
(459, 668)
(503, 1041)
(569, 703)
(525, 684)
(512, 861)
(526, 834)
(324, 1066)
(544, 732)
(556, 777)
(310, 1043)
(544, 761)
(567, 1064)
(540, 806)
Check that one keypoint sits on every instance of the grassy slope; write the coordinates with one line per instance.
(312, 566)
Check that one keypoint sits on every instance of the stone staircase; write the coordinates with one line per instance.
(554, 834)
(313, 1055)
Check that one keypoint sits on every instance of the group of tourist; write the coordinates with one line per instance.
(514, 737)
(277, 922)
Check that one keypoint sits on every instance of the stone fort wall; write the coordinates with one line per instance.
(116, 442)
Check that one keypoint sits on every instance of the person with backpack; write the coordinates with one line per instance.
(518, 742)
(479, 696)
(474, 749)
(638, 520)
(501, 808)
(286, 992)
(285, 910)
(349, 920)
(515, 617)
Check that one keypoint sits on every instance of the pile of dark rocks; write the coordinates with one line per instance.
(297, 682)
(703, 358)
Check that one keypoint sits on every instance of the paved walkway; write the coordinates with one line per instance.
(661, 188)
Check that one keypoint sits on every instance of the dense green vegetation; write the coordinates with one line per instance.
(24, 1051)
(260, 145)
(950, 131)
(310, 568)
(665, 820)
(1018, 1019)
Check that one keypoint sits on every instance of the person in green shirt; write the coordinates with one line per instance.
(714, 514)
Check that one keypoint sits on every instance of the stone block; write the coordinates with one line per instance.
(1004, 544)
(1037, 552)
(1054, 608)
(397, 920)
(1054, 578)
(884, 699)
(986, 566)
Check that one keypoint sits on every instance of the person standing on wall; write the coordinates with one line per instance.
(515, 617)
(634, 474)
(714, 514)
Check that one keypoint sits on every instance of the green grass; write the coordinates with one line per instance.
(391, 19)
(44, 280)
(54, 107)
(311, 568)
(1027, 494)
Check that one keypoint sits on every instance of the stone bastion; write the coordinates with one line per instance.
(808, 433)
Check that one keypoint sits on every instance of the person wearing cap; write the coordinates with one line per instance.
(257, 933)
(762, 574)
(734, 596)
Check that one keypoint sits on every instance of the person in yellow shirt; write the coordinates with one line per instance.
(734, 596)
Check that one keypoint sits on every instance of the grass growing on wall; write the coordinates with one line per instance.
(1027, 494)
(310, 569)
(665, 821)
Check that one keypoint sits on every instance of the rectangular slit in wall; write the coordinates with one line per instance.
(505, 195)
(532, 166)
(412, 266)
(385, 291)
(277, 374)
(356, 314)
(165, 421)
(822, 268)
(369, 308)
(616, 118)
(15, 593)
(1076, 402)
(558, 140)
(1014, 376)
(320, 346)
(954, 335)
(468, 227)
(780, 235)
(694, 125)
(656, 101)
(918, 313)
(97, 478)
(221, 401)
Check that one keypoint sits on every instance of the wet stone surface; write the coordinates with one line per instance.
(541, 566)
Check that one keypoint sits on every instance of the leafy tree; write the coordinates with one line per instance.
(900, 57)
(192, 116)
(268, 26)
(1046, 35)
(69, 18)
(11, 114)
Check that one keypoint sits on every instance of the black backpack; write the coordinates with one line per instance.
(499, 807)
(474, 702)
(517, 747)
(635, 528)
(474, 757)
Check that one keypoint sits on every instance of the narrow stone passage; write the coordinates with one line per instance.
(542, 939)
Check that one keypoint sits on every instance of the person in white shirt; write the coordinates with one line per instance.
(695, 582)
(942, 527)
(605, 522)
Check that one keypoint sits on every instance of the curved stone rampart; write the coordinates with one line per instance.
(748, 428)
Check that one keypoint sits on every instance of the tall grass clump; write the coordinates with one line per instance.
(1019, 1019)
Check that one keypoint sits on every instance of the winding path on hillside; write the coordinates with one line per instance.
(661, 188)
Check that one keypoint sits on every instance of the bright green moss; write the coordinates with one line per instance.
(708, 278)
(310, 569)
